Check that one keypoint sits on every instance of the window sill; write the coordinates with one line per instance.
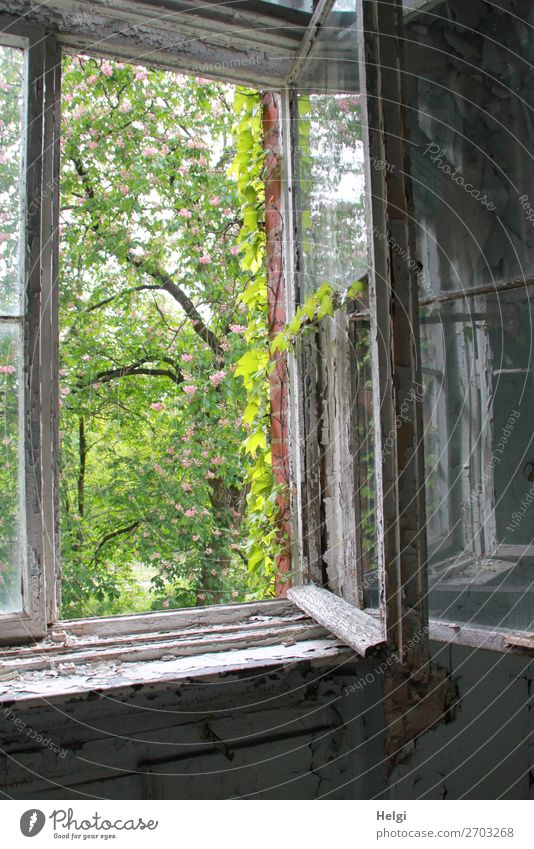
(79, 665)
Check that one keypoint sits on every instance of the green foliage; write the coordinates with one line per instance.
(160, 240)
(265, 541)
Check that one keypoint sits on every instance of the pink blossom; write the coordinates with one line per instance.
(7, 369)
(125, 106)
(107, 69)
(189, 389)
(202, 596)
(217, 461)
(234, 546)
(191, 512)
(166, 603)
(119, 142)
(187, 487)
(187, 358)
(196, 537)
(224, 422)
(210, 475)
(237, 328)
(120, 65)
(92, 145)
(157, 406)
(141, 74)
(68, 98)
(228, 211)
(234, 250)
(208, 550)
(149, 151)
(155, 555)
(216, 201)
(214, 573)
(184, 213)
(4, 237)
(92, 79)
(202, 80)
(217, 377)
(125, 190)
(203, 161)
(164, 150)
(205, 259)
(186, 463)
(234, 594)
(179, 507)
(158, 469)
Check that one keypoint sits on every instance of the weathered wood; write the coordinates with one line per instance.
(400, 514)
(318, 19)
(149, 623)
(353, 627)
(495, 288)
(179, 646)
(218, 40)
(30, 688)
(62, 642)
(49, 323)
(31, 621)
(303, 371)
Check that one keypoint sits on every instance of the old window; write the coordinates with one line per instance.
(25, 275)
(331, 383)
(394, 362)
(468, 71)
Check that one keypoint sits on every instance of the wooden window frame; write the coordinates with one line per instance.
(38, 267)
(400, 517)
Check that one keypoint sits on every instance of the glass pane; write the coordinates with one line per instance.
(330, 159)
(471, 142)
(11, 135)
(330, 204)
(479, 445)
(471, 101)
(11, 485)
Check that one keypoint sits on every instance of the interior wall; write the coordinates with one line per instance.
(303, 732)
(487, 751)
(284, 733)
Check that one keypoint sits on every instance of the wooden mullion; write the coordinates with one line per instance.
(394, 340)
(49, 322)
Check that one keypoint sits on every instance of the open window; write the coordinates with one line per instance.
(427, 351)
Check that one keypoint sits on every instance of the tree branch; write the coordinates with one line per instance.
(135, 369)
(127, 530)
(168, 285)
(123, 292)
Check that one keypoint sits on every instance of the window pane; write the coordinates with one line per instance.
(11, 102)
(330, 205)
(330, 157)
(11, 481)
(471, 141)
(471, 148)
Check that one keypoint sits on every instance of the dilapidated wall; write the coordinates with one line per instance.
(487, 751)
(304, 731)
(287, 732)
